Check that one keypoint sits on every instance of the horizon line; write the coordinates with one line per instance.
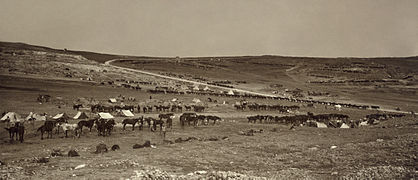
(215, 56)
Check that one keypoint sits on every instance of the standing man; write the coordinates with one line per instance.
(163, 131)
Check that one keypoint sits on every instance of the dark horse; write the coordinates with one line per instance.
(188, 118)
(157, 122)
(17, 130)
(169, 117)
(77, 106)
(149, 121)
(213, 118)
(47, 127)
(89, 124)
(104, 127)
(154, 123)
(132, 122)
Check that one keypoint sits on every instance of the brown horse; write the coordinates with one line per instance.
(105, 127)
(47, 127)
(132, 122)
(17, 130)
(89, 124)
(169, 118)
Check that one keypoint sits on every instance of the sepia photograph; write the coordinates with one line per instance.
(209, 89)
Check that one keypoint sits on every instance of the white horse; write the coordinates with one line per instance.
(70, 127)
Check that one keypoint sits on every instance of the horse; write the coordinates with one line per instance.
(213, 118)
(100, 125)
(157, 122)
(89, 124)
(47, 127)
(17, 130)
(198, 108)
(132, 122)
(149, 121)
(188, 108)
(201, 118)
(131, 108)
(12, 132)
(169, 117)
(158, 108)
(58, 122)
(104, 127)
(109, 126)
(147, 109)
(70, 127)
(187, 118)
(165, 108)
(77, 106)
(252, 118)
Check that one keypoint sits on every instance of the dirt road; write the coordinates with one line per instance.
(183, 80)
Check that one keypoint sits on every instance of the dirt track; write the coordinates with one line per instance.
(182, 80)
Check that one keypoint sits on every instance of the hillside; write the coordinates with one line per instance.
(337, 79)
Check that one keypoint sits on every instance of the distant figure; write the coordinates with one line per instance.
(163, 131)
(150, 97)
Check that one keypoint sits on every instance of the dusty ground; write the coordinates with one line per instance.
(384, 151)
(387, 150)
(302, 153)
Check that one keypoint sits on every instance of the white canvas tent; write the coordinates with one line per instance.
(30, 116)
(206, 89)
(230, 92)
(364, 123)
(195, 100)
(61, 116)
(35, 116)
(127, 113)
(105, 116)
(112, 100)
(11, 117)
(321, 125)
(81, 115)
(344, 126)
(338, 107)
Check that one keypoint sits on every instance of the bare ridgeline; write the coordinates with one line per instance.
(99, 116)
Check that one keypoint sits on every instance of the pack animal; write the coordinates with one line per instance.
(70, 127)
(89, 124)
(131, 122)
(105, 127)
(47, 127)
(17, 130)
(169, 118)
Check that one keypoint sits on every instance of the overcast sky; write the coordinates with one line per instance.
(330, 28)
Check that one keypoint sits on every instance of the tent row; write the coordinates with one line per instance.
(14, 117)
(323, 125)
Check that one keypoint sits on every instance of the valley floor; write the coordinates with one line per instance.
(384, 151)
